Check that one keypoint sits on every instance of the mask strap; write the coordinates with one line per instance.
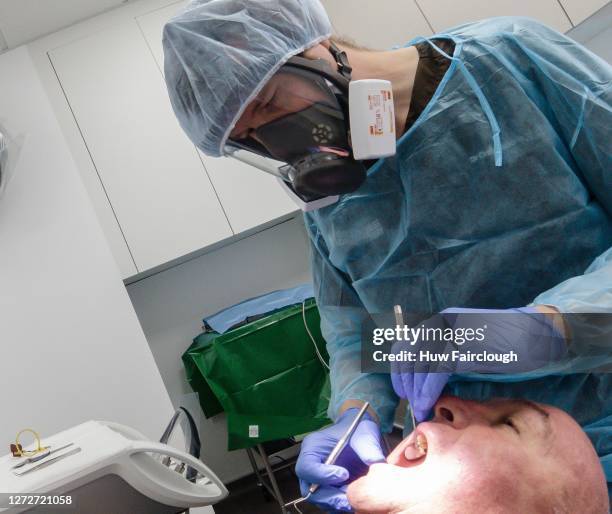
(344, 68)
(484, 102)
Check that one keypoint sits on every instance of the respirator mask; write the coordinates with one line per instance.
(313, 128)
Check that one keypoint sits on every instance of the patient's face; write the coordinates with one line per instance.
(498, 456)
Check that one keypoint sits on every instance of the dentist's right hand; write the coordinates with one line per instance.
(364, 449)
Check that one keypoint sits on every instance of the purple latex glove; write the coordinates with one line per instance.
(525, 330)
(422, 390)
(364, 449)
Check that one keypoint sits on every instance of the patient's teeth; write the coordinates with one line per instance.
(417, 449)
(421, 444)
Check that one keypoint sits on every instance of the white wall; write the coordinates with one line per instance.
(25, 20)
(580, 10)
(596, 33)
(71, 348)
(387, 23)
(171, 305)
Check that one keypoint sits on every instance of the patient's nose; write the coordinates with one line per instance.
(459, 413)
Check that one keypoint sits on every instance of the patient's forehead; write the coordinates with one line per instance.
(569, 439)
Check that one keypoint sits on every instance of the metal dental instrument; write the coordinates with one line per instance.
(333, 456)
(399, 321)
(40, 456)
(48, 462)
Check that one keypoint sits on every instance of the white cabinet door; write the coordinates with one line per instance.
(155, 181)
(580, 10)
(152, 25)
(379, 25)
(443, 14)
(249, 197)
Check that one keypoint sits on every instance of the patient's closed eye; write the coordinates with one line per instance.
(510, 422)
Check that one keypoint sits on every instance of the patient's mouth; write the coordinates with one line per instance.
(416, 449)
(412, 451)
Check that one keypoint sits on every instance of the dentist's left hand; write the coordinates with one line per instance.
(364, 449)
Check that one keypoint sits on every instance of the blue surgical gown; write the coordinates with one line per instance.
(498, 196)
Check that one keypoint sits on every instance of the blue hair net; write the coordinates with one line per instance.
(218, 54)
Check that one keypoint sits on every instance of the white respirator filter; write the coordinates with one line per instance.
(372, 119)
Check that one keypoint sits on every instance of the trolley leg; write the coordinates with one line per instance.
(260, 480)
(273, 482)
